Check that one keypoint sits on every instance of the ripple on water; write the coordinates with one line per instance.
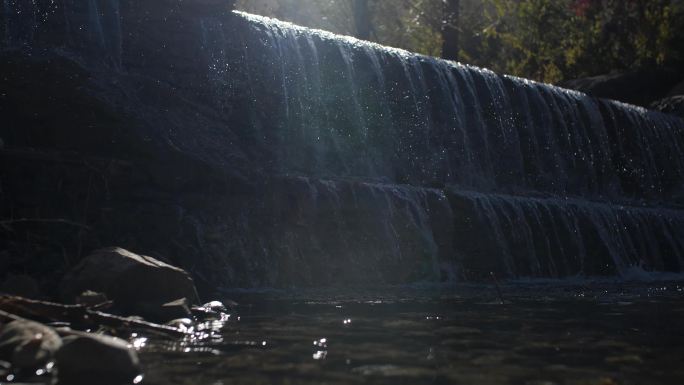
(612, 335)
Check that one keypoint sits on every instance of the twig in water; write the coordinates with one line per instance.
(43, 310)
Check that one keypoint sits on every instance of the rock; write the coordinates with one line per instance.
(28, 344)
(21, 285)
(89, 359)
(671, 105)
(217, 306)
(179, 308)
(183, 324)
(134, 282)
(640, 87)
(213, 309)
(91, 298)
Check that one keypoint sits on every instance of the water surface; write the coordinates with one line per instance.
(544, 333)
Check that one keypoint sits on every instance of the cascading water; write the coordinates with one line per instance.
(454, 124)
(551, 237)
(421, 121)
(365, 144)
(91, 27)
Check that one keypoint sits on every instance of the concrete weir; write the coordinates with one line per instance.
(254, 152)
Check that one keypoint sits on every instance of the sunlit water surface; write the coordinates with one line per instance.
(544, 333)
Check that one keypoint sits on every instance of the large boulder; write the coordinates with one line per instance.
(134, 282)
(28, 344)
(96, 359)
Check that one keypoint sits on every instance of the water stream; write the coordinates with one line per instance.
(438, 335)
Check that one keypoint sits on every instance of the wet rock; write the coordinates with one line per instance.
(91, 359)
(640, 87)
(213, 309)
(91, 298)
(183, 324)
(134, 282)
(21, 285)
(28, 344)
(671, 105)
(179, 308)
(217, 306)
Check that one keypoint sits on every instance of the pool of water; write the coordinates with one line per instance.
(542, 333)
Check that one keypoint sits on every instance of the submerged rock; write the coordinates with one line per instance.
(96, 359)
(28, 344)
(134, 282)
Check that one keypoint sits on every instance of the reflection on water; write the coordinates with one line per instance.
(545, 334)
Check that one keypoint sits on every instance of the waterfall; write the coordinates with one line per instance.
(379, 230)
(5, 21)
(567, 184)
(375, 163)
(462, 125)
(544, 237)
(90, 28)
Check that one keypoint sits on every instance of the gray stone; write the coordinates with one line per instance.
(169, 311)
(90, 359)
(134, 282)
(91, 298)
(28, 344)
(213, 309)
(218, 306)
(184, 324)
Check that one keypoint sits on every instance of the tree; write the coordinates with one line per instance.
(450, 30)
(362, 19)
(546, 40)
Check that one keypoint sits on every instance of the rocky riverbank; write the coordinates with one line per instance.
(110, 297)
